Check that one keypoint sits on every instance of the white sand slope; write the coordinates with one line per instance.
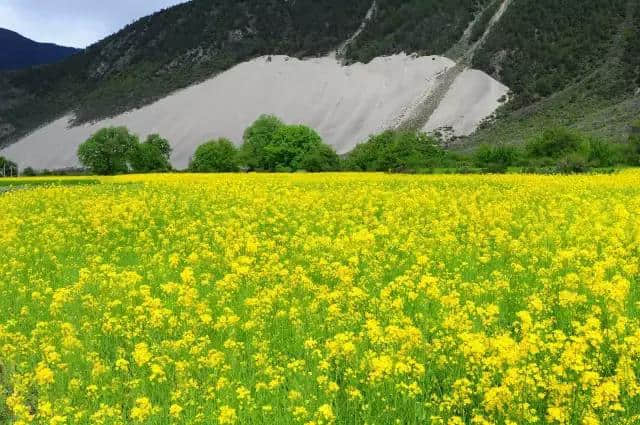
(345, 104)
(473, 97)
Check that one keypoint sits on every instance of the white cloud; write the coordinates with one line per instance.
(77, 23)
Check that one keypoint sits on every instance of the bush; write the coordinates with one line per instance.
(573, 163)
(633, 157)
(256, 138)
(554, 143)
(152, 155)
(602, 154)
(108, 151)
(396, 151)
(497, 157)
(215, 156)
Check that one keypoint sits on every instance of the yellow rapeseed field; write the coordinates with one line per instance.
(322, 299)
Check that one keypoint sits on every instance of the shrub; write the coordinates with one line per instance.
(601, 153)
(633, 157)
(396, 151)
(497, 157)
(152, 155)
(215, 156)
(108, 151)
(573, 163)
(554, 143)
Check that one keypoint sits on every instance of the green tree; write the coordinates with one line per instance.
(256, 138)
(29, 172)
(8, 168)
(108, 151)
(368, 156)
(152, 155)
(296, 146)
(321, 159)
(215, 156)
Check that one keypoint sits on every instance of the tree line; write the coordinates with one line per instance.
(270, 145)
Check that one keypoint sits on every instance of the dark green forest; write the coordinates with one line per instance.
(415, 26)
(541, 46)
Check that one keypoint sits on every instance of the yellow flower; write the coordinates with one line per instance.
(141, 354)
(325, 413)
(58, 420)
(227, 416)
(157, 373)
(122, 364)
(556, 414)
(187, 276)
(44, 375)
(142, 409)
(175, 410)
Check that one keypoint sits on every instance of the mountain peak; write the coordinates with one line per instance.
(17, 51)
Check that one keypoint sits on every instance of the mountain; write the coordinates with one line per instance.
(477, 71)
(19, 52)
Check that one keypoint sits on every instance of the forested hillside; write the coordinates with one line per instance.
(578, 67)
(565, 61)
(542, 46)
(415, 26)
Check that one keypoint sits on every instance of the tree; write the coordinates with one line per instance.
(256, 138)
(368, 156)
(296, 146)
(108, 151)
(8, 168)
(322, 159)
(29, 172)
(152, 155)
(215, 156)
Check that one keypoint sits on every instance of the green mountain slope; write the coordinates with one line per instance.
(573, 62)
(581, 73)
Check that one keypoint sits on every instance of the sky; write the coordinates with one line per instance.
(74, 23)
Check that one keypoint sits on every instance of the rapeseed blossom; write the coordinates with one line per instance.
(322, 299)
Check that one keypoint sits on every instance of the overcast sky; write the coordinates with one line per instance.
(76, 23)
